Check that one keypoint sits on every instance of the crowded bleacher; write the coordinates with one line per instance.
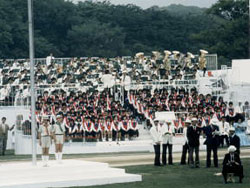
(89, 93)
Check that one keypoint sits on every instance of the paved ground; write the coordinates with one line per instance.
(132, 159)
(120, 159)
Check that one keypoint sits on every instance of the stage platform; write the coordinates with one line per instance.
(70, 173)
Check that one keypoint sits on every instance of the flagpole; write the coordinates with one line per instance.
(32, 80)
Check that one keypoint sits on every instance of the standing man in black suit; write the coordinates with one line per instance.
(234, 140)
(193, 135)
(212, 141)
(232, 164)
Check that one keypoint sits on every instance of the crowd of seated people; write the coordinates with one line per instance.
(186, 104)
(89, 71)
(89, 115)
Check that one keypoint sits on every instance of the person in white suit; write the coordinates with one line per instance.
(224, 131)
(155, 132)
(168, 132)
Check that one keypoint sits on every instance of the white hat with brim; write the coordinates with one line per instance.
(188, 121)
(190, 54)
(59, 116)
(204, 51)
(167, 52)
(139, 54)
(194, 119)
(231, 149)
(176, 52)
(232, 129)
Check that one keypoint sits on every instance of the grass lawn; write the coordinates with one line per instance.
(177, 176)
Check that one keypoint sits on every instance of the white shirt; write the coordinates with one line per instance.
(108, 80)
(49, 59)
(168, 134)
(156, 134)
(43, 131)
(59, 128)
(224, 130)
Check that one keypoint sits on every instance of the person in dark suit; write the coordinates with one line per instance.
(193, 135)
(232, 164)
(234, 140)
(212, 141)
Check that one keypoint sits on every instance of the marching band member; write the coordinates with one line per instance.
(166, 60)
(168, 132)
(115, 129)
(59, 137)
(45, 135)
(124, 124)
(203, 61)
(108, 128)
(88, 126)
(97, 130)
(133, 127)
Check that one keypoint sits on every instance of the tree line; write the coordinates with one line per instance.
(102, 29)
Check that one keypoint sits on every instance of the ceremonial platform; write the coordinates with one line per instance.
(70, 173)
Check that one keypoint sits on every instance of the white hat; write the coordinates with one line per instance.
(167, 52)
(156, 120)
(139, 54)
(155, 52)
(214, 121)
(232, 129)
(231, 149)
(190, 54)
(204, 51)
(194, 119)
(176, 52)
(187, 121)
(58, 116)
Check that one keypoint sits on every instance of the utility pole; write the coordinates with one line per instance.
(32, 79)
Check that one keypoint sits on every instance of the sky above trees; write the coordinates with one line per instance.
(149, 3)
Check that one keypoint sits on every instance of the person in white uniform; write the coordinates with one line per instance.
(59, 137)
(155, 132)
(168, 132)
(45, 135)
(224, 131)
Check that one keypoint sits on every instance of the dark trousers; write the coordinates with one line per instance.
(237, 170)
(215, 156)
(3, 144)
(157, 149)
(185, 149)
(166, 147)
(192, 150)
(222, 138)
